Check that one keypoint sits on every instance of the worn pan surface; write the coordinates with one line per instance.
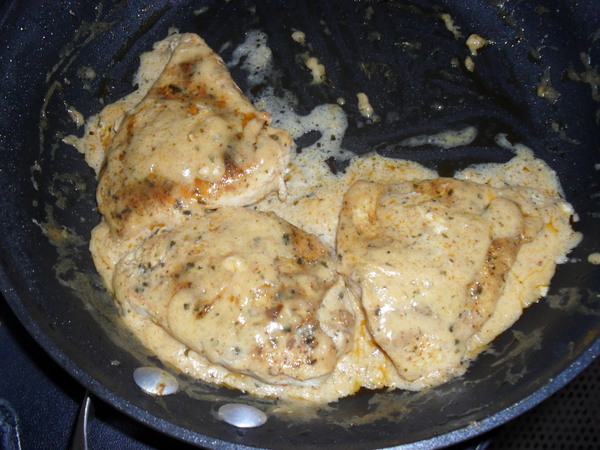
(537, 83)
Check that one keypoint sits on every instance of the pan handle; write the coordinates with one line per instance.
(79, 439)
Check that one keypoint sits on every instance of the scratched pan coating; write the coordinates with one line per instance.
(398, 52)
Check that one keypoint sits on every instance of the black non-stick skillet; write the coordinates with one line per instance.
(535, 83)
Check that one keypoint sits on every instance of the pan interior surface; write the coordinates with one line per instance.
(534, 84)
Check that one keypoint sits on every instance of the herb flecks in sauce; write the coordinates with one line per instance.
(262, 298)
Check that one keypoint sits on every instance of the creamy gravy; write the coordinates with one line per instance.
(383, 275)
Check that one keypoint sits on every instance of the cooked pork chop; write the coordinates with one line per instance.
(431, 259)
(246, 290)
(193, 142)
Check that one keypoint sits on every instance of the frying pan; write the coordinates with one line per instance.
(536, 83)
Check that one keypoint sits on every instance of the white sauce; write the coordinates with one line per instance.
(299, 37)
(469, 64)
(451, 26)
(76, 116)
(317, 69)
(594, 258)
(476, 43)
(364, 107)
(313, 204)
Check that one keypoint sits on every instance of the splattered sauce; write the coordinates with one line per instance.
(382, 275)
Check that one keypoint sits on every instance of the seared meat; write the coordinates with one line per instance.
(246, 290)
(193, 142)
(431, 259)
